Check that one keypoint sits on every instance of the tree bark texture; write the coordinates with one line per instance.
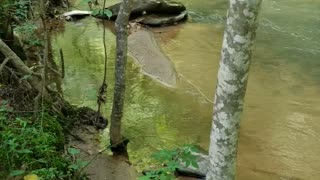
(231, 87)
(116, 139)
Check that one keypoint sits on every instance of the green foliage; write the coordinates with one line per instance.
(33, 147)
(21, 9)
(77, 164)
(106, 13)
(27, 32)
(73, 151)
(168, 161)
(17, 14)
(12, 8)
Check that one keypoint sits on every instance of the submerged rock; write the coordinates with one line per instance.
(152, 12)
(154, 63)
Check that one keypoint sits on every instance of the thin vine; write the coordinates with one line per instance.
(103, 88)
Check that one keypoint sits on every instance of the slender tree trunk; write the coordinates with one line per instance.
(231, 87)
(116, 139)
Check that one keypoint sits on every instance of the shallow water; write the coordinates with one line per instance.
(280, 129)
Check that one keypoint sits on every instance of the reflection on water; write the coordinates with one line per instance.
(279, 137)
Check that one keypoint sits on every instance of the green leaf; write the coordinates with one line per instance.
(4, 102)
(144, 178)
(82, 164)
(17, 172)
(95, 12)
(188, 163)
(100, 12)
(194, 149)
(73, 151)
(107, 13)
(42, 161)
(24, 151)
(194, 164)
(73, 166)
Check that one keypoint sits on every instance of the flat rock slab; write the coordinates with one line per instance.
(77, 13)
(154, 63)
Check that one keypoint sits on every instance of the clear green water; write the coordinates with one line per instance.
(280, 129)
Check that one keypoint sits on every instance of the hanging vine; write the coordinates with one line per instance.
(102, 97)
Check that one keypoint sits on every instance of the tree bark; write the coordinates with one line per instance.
(116, 138)
(231, 87)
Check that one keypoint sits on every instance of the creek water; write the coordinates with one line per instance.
(280, 129)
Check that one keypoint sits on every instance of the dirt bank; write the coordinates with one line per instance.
(102, 166)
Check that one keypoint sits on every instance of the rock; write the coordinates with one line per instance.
(152, 12)
(154, 63)
(155, 20)
(76, 14)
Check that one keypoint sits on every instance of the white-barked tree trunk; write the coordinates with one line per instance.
(231, 87)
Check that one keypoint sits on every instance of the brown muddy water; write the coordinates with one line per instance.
(280, 129)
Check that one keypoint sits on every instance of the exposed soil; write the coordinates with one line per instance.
(102, 166)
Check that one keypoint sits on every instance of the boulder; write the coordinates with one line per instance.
(156, 20)
(76, 14)
(152, 12)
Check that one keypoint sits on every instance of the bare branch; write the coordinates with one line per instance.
(21, 67)
(4, 63)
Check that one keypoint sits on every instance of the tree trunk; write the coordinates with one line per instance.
(231, 87)
(116, 139)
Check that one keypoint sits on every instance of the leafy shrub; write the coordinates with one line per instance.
(17, 8)
(168, 161)
(27, 32)
(27, 147)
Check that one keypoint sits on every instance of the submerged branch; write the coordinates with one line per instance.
(62, 63)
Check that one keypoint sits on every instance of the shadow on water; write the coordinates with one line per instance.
(279, 136)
